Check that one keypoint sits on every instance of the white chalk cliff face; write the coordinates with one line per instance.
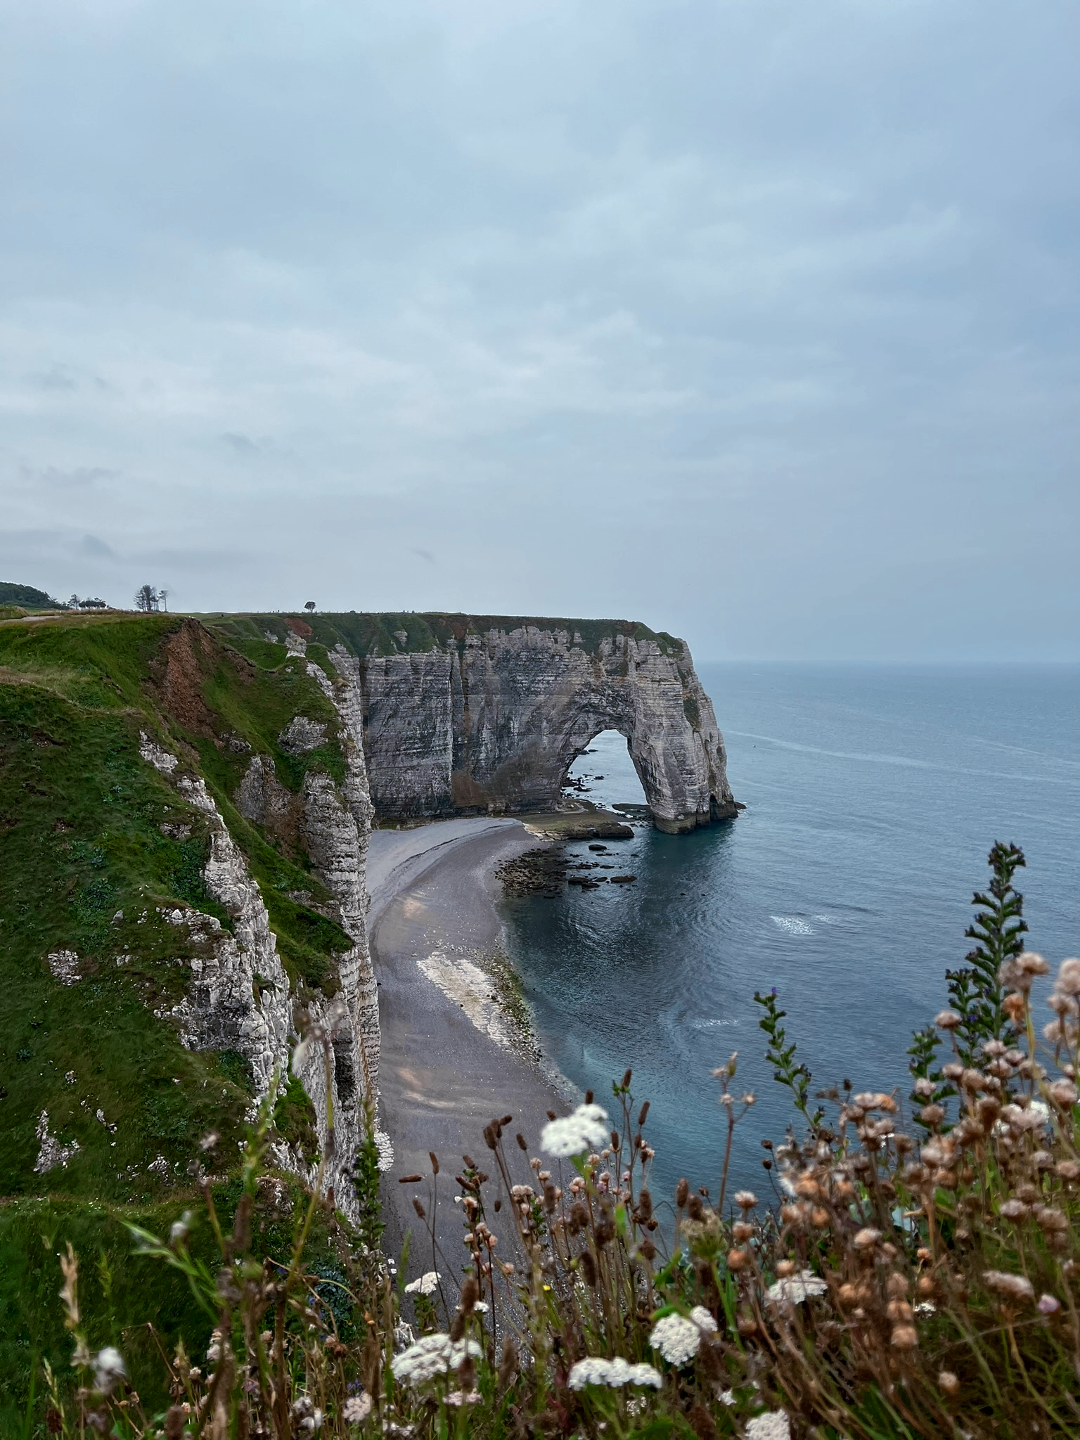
(493, 720)
(240, 997)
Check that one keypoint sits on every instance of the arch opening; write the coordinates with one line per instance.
(605, 773)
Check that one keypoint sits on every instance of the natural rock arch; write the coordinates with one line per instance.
(475, 715)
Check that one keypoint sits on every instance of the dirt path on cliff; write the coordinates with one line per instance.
(441, 1077)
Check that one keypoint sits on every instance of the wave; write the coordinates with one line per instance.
(792, 924)
(907, 761)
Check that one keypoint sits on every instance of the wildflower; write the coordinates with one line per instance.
(463, 1397)
(948, 1382)
(1019, 973)
(178, 1231)
(585, 1128)
(595, 1370)
(357, 1408)
(108, 1369)
(1063, 1093)
(745, 1199)
(867, 1237)
(703, 1319)
(1013, 1287)
(425, 1285)
(1033, 1117)
(948, 1020)
(773, 1425)
(677, 1338)
(431, 1355)
(1068, 978)
(1048, 1305)
(794, 1289)
(1015, 1210)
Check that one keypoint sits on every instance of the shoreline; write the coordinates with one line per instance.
(453, 1057)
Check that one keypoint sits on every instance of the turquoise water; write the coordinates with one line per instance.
(873, 795)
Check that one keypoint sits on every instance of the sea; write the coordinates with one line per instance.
(872, 794)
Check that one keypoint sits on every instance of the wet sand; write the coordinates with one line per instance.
(442, 1079)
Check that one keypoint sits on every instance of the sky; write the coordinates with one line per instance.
(754, 320)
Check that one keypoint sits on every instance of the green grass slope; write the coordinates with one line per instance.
(94, 844)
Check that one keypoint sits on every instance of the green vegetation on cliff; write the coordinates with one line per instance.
(365, 633)
(96, 847)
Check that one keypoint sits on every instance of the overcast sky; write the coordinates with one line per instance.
(755, 320)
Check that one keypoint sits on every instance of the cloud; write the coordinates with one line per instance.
(748, 321)
(241, 444)
(80, 476)
(93, 546)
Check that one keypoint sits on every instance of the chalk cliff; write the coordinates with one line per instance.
(476, 714)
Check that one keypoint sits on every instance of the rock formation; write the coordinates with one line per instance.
(465, 714)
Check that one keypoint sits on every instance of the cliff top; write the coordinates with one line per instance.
(386, 633)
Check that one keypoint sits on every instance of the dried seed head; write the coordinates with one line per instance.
(896, 1285)
(948, 1382)
(434, 1162)
(742, 1231)
(745, 1199)
(682, 1191)
(521, 1141)
(1012, 1287)
(1014, 1006)
(509, 1363)
(785, 1268)
(643, 1114)
(904, 1337)
(947, 1020)
(470, 1293)
(737, 1260)
(587, 1266)
(1068, 977)
(867, 1238)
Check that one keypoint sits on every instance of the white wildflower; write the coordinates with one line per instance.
(773, 1425)
(595, 1370)
(677, 1338)
(108, 1369)
(794, 1289)
(357, 1408)
(576, 1133)
(431, 1355)
(703, 1319)
(426, 1285)
(463, 1397)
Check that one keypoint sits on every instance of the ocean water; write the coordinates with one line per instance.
(873, 795)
